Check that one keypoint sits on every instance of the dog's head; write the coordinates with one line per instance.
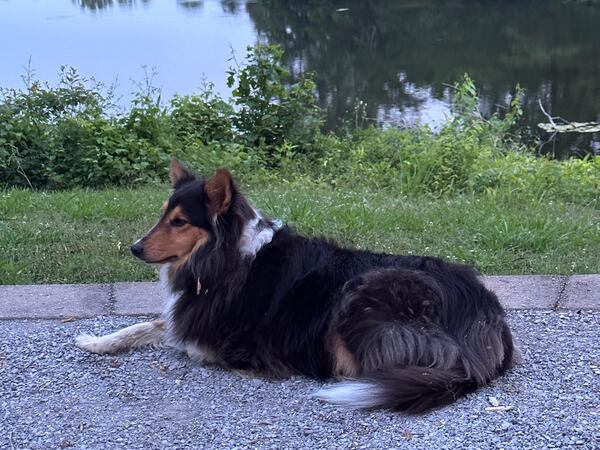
(191, 216)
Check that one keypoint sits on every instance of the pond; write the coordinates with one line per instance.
(399, 56)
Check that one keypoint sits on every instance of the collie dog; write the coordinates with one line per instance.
(403, 332)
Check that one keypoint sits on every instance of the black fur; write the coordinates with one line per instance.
(423, 330)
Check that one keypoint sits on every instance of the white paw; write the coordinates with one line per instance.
(92, 343)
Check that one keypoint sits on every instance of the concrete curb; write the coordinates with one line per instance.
(59, 301)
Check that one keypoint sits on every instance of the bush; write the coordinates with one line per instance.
(65, 136)
(205, 117)
(37, 123)
(72, 135)
(272, 113)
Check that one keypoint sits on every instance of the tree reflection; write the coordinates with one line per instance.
(390, 52)
(231, 6)
(96, 5)
(190, 4)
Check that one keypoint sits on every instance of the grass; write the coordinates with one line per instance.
(83, 236)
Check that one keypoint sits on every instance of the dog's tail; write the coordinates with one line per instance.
(416, 389)
(411, 389)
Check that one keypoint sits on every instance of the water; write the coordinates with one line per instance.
(398, 56)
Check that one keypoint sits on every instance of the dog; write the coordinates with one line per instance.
(409, 333)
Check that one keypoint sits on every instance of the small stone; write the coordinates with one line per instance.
(493, 401)
(65, 443)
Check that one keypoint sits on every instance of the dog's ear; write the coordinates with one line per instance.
(179, 174)
(219, 191)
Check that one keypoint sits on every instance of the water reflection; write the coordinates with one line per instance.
(399, 55)
(96, 5)
(231, 6)
(189, 4)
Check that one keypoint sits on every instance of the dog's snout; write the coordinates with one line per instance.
(137, 249)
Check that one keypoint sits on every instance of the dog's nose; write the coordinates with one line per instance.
(137, 249)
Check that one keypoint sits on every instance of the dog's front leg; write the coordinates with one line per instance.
(138, 335)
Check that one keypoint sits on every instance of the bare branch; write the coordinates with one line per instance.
(546, 114)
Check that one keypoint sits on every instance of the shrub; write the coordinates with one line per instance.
(272, 113)
(41, 130)
(206, 117)
(72, 135)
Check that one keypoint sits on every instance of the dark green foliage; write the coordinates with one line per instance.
(72, 135)
(272, 113)
(64, 137)
(204, 117)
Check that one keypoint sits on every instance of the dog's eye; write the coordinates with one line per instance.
(178, 222)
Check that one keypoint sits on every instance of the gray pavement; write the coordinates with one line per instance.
(577, 292)
(52, 395)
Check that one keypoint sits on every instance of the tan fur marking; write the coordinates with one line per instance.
(344, 362)
(175, 265)
(210, 355)
(166, 241)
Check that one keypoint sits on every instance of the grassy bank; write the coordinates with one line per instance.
(84, 236)
(471, 191)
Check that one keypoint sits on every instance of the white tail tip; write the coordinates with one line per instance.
(351, 394)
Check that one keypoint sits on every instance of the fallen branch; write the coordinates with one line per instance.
(571, 127)
(550, 118)
(566, 127)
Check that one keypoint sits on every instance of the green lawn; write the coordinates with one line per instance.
(84, 236)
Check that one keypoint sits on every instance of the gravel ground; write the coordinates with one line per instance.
(52, 395)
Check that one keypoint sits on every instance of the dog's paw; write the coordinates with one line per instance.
(93, 344)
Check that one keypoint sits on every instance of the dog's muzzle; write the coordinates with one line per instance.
(137, 249)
